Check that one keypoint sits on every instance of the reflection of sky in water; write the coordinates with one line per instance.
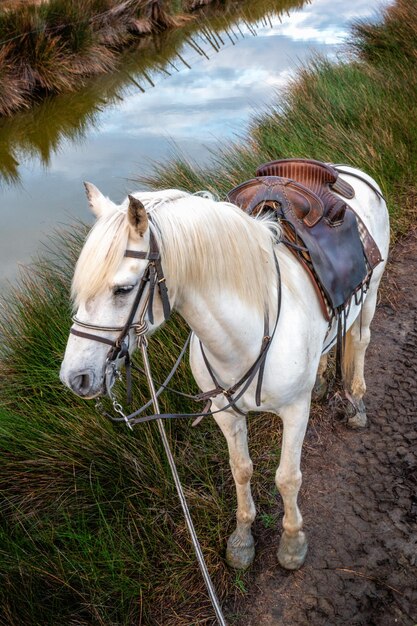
(195, 108)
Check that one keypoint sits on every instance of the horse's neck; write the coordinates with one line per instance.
(229, 329)
(232, 331)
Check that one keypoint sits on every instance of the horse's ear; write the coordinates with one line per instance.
(137, 216)
(98, 203)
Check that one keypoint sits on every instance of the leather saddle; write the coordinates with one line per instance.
(319, 227)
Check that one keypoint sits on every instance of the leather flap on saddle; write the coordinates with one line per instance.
(337, 256)
(276, 192)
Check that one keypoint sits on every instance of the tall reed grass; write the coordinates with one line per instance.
(91, 532)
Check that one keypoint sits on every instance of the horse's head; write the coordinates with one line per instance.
(110, 291)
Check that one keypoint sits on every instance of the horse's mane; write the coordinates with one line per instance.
(205, 244)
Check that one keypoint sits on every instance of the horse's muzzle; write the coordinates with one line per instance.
(83, 383)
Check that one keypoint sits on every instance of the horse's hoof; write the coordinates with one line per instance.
(240, 551)
(356, 414)
(319, 390)
(359, 420)
(292, 551)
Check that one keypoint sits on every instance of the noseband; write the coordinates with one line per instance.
(153, 277)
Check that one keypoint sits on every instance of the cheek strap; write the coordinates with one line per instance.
(156, 276)
(153, 275)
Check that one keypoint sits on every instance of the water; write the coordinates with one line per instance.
(192, 89)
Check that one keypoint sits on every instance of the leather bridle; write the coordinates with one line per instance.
(153, 278)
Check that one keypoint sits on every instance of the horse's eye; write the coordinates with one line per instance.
(121, 290)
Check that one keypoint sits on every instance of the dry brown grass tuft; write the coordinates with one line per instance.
(51, 47)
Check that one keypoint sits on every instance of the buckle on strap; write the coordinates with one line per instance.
(111, 373)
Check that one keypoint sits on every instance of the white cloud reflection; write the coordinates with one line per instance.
(324, 21)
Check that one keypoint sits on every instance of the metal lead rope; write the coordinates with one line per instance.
(199, 554)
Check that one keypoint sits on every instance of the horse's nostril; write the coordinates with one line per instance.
(82, 383)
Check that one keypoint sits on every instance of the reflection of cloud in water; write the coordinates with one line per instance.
(323, 22)
(219, 94)
(216, 99)
(117, 161)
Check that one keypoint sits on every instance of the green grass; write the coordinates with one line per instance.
(91, 532)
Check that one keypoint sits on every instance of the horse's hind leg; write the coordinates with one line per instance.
(293, 545)
(320, 386)
(240, 546)
(357, 341)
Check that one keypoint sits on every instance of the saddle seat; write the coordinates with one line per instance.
(319, 227)
(320, 178)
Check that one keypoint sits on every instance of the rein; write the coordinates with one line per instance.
(153, 277)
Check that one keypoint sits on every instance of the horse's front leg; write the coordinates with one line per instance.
(240, 546)
(293, 545)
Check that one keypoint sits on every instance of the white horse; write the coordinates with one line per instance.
(220, 272)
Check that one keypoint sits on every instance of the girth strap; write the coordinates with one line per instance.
(257, 368)
(265, 346)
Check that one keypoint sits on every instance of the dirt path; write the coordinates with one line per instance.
(359, 499)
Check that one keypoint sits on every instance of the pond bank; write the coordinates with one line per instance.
(55, 46)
